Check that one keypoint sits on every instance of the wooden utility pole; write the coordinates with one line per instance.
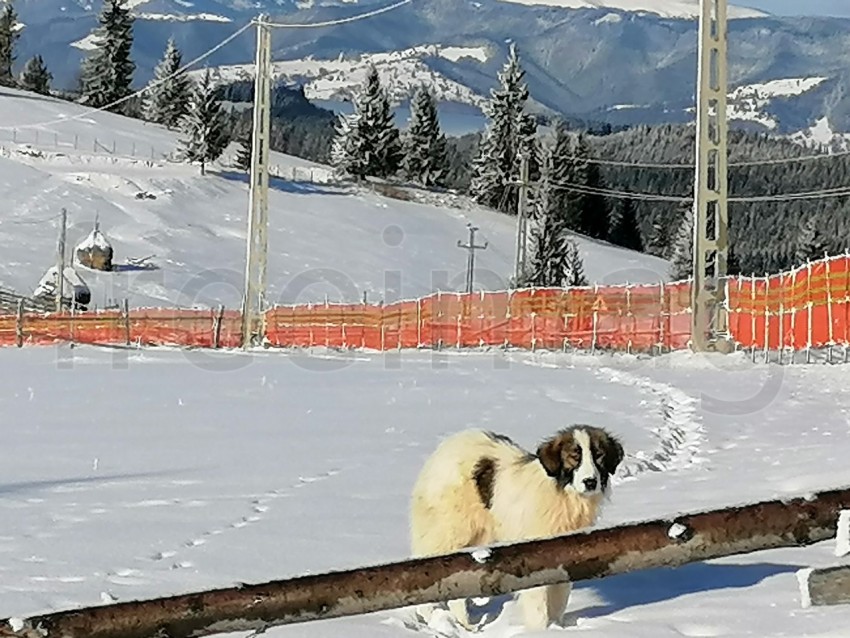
(470, 260)
(709, 319)
(521, 231)
(503, 569)
(254, 299)
(60, 260)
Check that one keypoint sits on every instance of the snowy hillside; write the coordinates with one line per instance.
(663, 8)
(195, 470)
(324, 240)
(401, 72)
(749, 103)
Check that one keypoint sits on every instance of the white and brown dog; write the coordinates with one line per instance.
(479, 488)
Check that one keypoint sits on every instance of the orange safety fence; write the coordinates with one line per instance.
(806, 308)
(147, 326)
(637, 318)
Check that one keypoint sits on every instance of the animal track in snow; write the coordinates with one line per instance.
(680, 433)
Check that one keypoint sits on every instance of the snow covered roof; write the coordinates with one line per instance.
(73, 281)
(95, 240)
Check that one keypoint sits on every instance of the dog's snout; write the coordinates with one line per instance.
(590, 483)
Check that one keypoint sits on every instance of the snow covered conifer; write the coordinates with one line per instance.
(809, 245)
(425, 160)
(594, 211)
(108, 72)
(554, 258)
(244, 152)
(346, 156)
(35, 77)
(9, 34)
(576, 276)
(510, 130)
(568, 170)
(625, 231)
(368, 141)
(205, 125)
(682, 253)
(549, 250)
(166, 101)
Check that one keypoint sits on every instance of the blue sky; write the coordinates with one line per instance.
(799, 7)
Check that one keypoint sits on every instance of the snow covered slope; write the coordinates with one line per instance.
(401, 72)
(324, 240)
(165, 473)
(663, 8)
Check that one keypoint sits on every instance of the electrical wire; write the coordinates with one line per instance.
(840, 191)
(147, 88)
(332, 23)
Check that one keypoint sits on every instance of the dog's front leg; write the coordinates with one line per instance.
(460, 611)
(557, 598)
(534, 605)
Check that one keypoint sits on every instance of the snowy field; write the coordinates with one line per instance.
(133, 474)
(128, 474)
(195, 226)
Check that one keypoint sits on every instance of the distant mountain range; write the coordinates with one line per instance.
(622, 61)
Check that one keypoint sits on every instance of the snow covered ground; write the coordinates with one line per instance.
(323, 239)
(166, 472)
(131, 474)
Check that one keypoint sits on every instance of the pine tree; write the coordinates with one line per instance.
(425, 160)
(244, 153)
(568, 171)
(576, 265)
(682, 253)
(205, 125)
(171, 87)
(35, 76)
(8, 36)
(554, 257)
(510, 131)
(658, 241)
(810, 244)
(594, 210)
(625, 231)
(108, 73)
(346, 156)
(368, 141)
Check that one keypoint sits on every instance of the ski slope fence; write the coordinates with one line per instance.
(808, 307)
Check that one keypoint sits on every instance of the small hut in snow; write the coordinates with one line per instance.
(95, 251)
(73, 287)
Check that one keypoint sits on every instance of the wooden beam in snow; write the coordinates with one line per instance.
(493, 571)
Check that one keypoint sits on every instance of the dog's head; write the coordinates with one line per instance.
(581, 458)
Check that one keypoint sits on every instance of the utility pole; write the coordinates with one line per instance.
(521, 231)
(709, 319)
(470, 260)
(253, 302)
(60, 260)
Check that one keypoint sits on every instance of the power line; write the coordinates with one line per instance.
(147, 88)
(829, 193)
(332, 23)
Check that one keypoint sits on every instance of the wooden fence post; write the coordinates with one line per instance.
(125, 315)
(19, 324)
(218, 319)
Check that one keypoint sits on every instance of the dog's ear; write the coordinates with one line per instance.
(613, 453)
(549, 454)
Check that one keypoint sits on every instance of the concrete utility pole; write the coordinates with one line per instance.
(253, 302)
(60, 260)
(521, 230)
(709, 319)
(470, 260)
